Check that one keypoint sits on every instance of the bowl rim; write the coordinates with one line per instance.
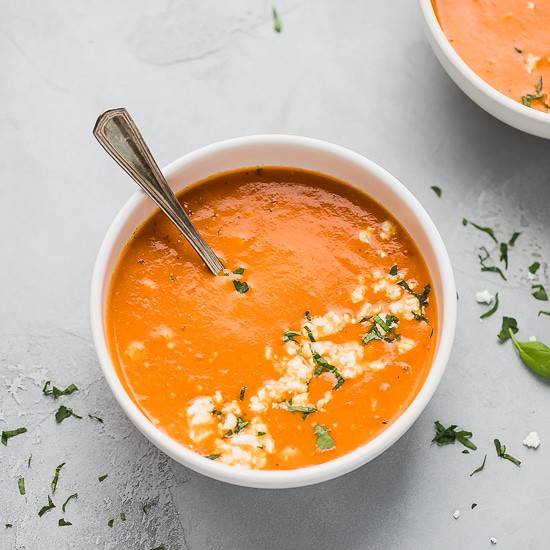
(101, 277)
(466, 72)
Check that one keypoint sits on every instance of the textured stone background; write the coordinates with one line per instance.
(358, 73)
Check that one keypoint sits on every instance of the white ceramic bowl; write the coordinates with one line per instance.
(300, 152)
(494, 102)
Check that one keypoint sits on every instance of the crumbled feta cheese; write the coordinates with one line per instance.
(387, 231)
(484, 297)
(456, 514)
(531, 276)
(532, 338)
(358, 295)
(135, 350)
(532, 440)
(531, 62)
(531, 5)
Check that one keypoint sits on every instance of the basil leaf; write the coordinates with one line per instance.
(298, 408)
(63, 413)
(540, 293)
(534, 267)
(21, 485)
(539, 86)
(277, 25)
(492, 310)
(436, 190)
(239, 271)
(56, 477)
(74, 495)
(543, 313)
(535, 355)
(501, 452)
(63, 523)
(514, 238)
(56, 392)
(242, 392)
(508, 324)
(446, 436)
(504, 254)
(487, 230)
(7, 434)
(241, 287)
(102, 478)
(324, 366)
(212, 457)
(241, 424)
(307, 315)
(324, 440)
(289, 336)
(474, 504)
(309, 333)
(480, 468)
(494, 269)
(111, 522)
(46, 508)
(393, 271)
(96, 418)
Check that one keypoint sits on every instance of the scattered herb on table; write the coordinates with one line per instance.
(540, 293)
(480, 468)
(487, 230)
(21, 485)
(96, 418)
(102, 478)
(63, 523)
(488, 268)
(217, 413)
(509, 325)
(514, 238)
(299, 408)
(9, 525)
(74, 495)
(277, 25)
(324, 366)
(436, 190)
(29, 461)
(122, 516)
(534, 267)
(56, 392)
(290, 336)
(474, 504)
(535, 355)
(241, 287)
(56, 477)
(501, 452)
(46, 508)
(492, 310)
(541, 312)
(159, 548)
(111, 522)
(63, 413)
(7, 434)
(324, 440)
(446, 436)
(227, 434)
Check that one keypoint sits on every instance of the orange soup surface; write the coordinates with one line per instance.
(315, 338)
(506, 42)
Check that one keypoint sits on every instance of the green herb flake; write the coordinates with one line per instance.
(100, 420)
(102, 478)
(492, 310)
(480, 468)
(239, 271)
(46, 508)
(388, 326)
(9, 525)
(227, 434)
(63, 413)
(212, 457)
(111, 522)
(56, 392)
(535, 355)
(465, 452)
(534, 267)
(446, 436)
(261, 433)
(7, 434)
(526, 99)
(63, 523)
(474, 504)
(122, 516)
(277, 25)
(242, 392)
(501, 452)
(307, 315)
(290, 336)
(21, 485)
(436, 190)
(29, 461)
(541, 312)
(514, 238)
(309, 334)
(518, 50)
(419, 317)
(324, 440)
(504, 254)
(56, 477)
(159, 548)
(393, 271)
(217, 413)
(324, 366)
(509, 325)
(297, 408)
(241, 287)
(241, 424)
(487, 230)
(422, 298)
(74, 495)
(540, 293)
(539, 86)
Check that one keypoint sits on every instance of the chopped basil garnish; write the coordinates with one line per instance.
(492, 310)
(74, 495)
(277, 25)
(241, 424)
(539, 86)
(122, 516)
(307, 315)
(324, 441)
(239, 271)
(419, 317)
(526, 99)
(393, 271)
(541, 312)
(324, 366)
(56, 477)
(241, 287)
(422, 298)
(159, 548)
(465, 452)
(445, 436)
(508, 324)
(388, 326)
(63, 523)
(212, 457)
(102, 478)
(9, 525)
(56, 392)
(7, 434)
(436, 190)
(46, 508)
(480, 468)
(501, 452)
(492, 268)
(289, 336)
(487, 230)
(227, 434)
(309, 334)
(504, 254)
(534, 267)
(96, 418)
(540, 293)
(514, 238)
(217, 413)
(261, 433)
(21, 485)
(242, 392)
(111, 522)
(535, 355)
(63, 413)
(29, 461)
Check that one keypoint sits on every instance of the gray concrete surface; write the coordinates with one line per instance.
(357, 73)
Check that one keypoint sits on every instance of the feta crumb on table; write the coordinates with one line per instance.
(532, 440)
(456, 514)
(484, 297)
(493, 540)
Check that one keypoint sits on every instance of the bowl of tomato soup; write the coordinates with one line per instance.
(498, 53)
(319, 344)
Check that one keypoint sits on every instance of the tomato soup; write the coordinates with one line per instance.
(316, 337)
(506, 42)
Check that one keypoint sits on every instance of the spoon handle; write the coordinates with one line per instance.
(119, 136)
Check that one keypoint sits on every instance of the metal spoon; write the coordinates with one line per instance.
(119, 136)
